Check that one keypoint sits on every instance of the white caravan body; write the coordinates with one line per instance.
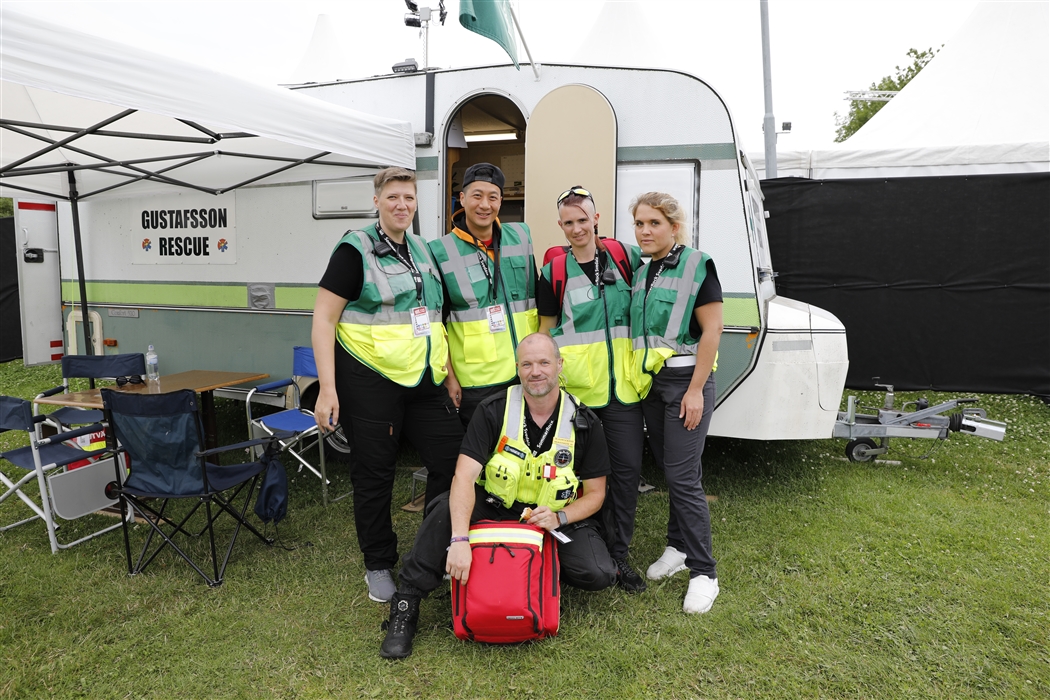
(616, 131)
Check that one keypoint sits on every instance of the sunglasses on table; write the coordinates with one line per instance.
(133, 379)
(574, 190)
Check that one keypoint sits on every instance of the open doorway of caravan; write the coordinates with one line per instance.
(487, 128)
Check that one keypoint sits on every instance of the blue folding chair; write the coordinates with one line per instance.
(131, 366)
(163, 435)
(67, 493)
(294, 429)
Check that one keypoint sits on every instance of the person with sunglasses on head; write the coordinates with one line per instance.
(584, 302)
(490, 289)
(676, 325)
(383, 366)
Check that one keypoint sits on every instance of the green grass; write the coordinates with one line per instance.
(926, 579)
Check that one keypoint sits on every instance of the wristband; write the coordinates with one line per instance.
(563, 519)
(461, 538)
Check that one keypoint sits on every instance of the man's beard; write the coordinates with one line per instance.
(550, 386)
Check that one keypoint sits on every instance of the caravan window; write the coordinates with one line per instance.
(680, 179)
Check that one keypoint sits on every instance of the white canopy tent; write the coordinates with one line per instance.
(131, 122)
(982, 106)
(82, 116)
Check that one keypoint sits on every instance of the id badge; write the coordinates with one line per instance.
(497, 319)
(420, 321)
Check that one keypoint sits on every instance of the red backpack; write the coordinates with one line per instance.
(556, 256)
(514, 591)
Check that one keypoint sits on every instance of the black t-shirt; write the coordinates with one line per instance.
(345, 274)
(485, 431)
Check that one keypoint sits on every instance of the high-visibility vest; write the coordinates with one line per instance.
(594, 334)
(660, 320)
(480, 356)
(377, 328)
(514, 474)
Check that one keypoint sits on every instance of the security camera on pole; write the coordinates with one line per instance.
(420, 17)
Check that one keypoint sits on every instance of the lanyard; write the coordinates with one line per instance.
(660, 270)
(483, 259)
(546, 431)
(417, 278)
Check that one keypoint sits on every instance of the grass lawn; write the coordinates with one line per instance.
(926, 579)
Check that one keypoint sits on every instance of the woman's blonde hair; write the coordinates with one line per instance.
(669, 207)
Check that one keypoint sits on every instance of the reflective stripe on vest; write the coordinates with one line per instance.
(660, 320)
(514, 474)
(377, 328)
(480, 357)
(593, 329)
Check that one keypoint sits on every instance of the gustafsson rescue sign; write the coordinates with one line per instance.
(185, 230)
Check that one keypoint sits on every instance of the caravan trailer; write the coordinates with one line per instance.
(782, 364)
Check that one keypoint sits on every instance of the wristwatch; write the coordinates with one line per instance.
(563, 519)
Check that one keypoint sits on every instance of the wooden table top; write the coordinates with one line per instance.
(196, 379)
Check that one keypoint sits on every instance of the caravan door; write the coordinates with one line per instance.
(570, 140)
(39, 281)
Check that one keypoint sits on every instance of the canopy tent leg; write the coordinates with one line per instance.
(74, 204)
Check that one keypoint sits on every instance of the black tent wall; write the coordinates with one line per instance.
(10, 317)
(943, 283)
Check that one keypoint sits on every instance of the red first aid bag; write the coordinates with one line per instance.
(513, 592)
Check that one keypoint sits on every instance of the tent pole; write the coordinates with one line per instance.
(74, 204)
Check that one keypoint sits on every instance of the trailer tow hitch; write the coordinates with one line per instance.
(924, 421)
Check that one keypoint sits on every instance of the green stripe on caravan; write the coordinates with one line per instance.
(740, 310)
(190, 294)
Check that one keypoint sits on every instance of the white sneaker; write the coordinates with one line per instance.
(670, 562)
(701, 594)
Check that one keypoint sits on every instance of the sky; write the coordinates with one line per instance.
(819, 48)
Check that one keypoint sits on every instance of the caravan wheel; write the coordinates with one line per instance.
(858, 450)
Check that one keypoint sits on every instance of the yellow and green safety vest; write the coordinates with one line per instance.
(514, 474)
(377, 328)
(480, 356)
(594, 334)
(660, 319)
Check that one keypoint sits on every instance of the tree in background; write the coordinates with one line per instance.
(860, 111)
(7, 207)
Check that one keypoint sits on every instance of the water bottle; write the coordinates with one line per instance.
(152, 365)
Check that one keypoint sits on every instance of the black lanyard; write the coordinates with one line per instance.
(546, 431)
(417, 278)
(660, 270)
(483, 260)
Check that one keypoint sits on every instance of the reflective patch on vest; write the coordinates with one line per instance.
(564, 494)
(562, 457)
(514, 451)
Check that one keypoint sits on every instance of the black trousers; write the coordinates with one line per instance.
(585, 562)
(472, 396)
(374, 411)
(625, 437)
(678, 452)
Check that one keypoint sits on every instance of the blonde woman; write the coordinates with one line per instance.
(676, 324)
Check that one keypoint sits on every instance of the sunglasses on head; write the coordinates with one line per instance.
(577, 190)
(133, 379)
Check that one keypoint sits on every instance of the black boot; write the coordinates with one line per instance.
(401, 627)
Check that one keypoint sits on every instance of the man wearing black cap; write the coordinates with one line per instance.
(490, 289)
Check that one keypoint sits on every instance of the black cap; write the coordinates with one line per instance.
(484, 172)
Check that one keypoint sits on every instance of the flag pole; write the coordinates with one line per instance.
(517, 26)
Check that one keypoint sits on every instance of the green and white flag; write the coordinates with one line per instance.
(491, 19)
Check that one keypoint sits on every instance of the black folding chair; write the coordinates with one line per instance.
(129, 367)
(164, 437)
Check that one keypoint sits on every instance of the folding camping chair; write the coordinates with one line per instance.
(128, 365)
(295, 429)
(69, 494)
(163, 435)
